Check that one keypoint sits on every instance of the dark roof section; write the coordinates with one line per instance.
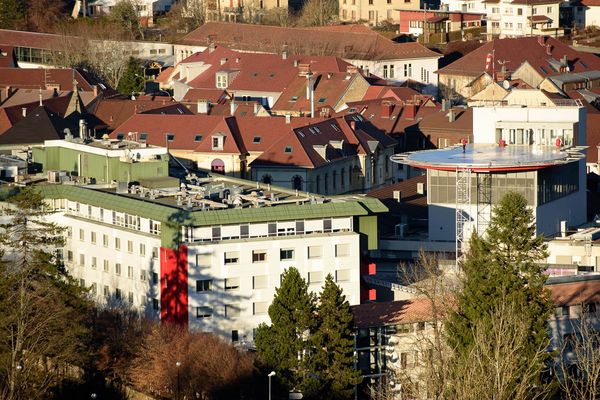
(514, 52)
(39, 125)
(343, 43)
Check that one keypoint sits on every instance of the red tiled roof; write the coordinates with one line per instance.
(392, 313)
(165, 75)
(339, 43)
(590, 3)
(39, 78)
(113, 112)
(439, 122)
(398, 93)
(515, 52)
(5, 122)
(24, 96)
(574, 293)
(329, 89)
(351, 28)
(213, 95)
(35, 40)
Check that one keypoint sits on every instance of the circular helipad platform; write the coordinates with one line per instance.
(488, 157)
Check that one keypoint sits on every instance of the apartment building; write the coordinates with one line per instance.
(476, 6)
(378, 11)
(518, 18)
(209, 255)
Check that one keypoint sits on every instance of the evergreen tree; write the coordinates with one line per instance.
(285, 345)
(334, 344)
(41, 307)
(131, 81)
(500, 272)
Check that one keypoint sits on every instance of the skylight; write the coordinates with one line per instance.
(288, 149)
(143, 136)
(322, 100)
(256, 139)
(294, 98)
(170, 137)
(197, 138)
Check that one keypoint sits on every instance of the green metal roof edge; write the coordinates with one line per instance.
(166, 214)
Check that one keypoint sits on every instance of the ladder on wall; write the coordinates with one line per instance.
(463, 207)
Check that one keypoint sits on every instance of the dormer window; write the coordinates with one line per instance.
(217, 142)
(143, 137)
(120, 136)
(221, 80)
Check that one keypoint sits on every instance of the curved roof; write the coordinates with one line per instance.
(489, 158)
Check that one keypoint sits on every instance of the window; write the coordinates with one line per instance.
(519, 11)
(93, 237)
(342, 250)
(129, 246)
(216, 233)
(82, 283)
(82, 260)
(260, 307)
(142, 249)
(260, 281)
(197, 138)
(232, 311)
(235, 336)
(549, 9)
(130, 272)
(118, 243)
(154, 278)
(94, 288)
(155, 252)
(232, 257)
(256, 139)
(69, 256)
(106, 291)
(217, 142)
(315, 277)
(130, 297)
(371, 14)
(589, 308)
(404, 360)
(315, 251)
(407, 70)
(143, 275)
(106, 266)
(203, 285)
(81, 235)
(221, 80)
(118, 268)
(69, 232)
(391, 70)
(232, 283)
(94, 262)
(105, 240)
(170, 137)
(204, 312)
(259, 256)
(118, 294)
(286, 254)
(155, 304)
(154, 227)
(327, 225)
(288, 149)
(385, 71)
(342, 275)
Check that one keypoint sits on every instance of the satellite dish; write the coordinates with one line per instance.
(506, 84)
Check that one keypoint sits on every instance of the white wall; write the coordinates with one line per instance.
(245, 296)
(592, 16)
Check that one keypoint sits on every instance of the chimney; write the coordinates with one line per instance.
(329, 75)
(397, 196)
(420, 188)
(24, 111)
(95, 90)
(353, 125)
(82, 130)
(549, 49)
(296, 63)
(232, 107)
(256, 108)
(410, 110)
(288, 119)
(223, 60)
(451, 116)
(386, 109)
(237, 60)
(211, 47)
(7, 92)
(202, 106)
(445, 105)
(284, 54)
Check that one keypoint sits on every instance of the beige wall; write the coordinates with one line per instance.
(375, 13)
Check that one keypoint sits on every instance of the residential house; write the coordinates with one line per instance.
(376, 12)
(530, 59)
(337, 155)
(437, 23)
(371, 52)
(519, 18)
(476, 6)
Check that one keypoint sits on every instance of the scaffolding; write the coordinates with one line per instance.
(463, 206)
(484, 201)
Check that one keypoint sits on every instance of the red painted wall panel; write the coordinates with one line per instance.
(174, 285)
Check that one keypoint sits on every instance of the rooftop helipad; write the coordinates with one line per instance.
(490, 157)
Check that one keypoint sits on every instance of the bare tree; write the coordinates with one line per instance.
(175, 361)
(319, 12)
(578, 360)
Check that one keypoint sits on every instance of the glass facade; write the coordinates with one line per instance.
(557, 182)
(36, 56)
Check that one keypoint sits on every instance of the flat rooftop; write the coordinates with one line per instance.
(490, 157)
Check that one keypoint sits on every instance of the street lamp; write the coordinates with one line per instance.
(178, 364)
(271, 374)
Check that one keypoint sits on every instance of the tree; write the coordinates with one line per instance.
(181, 364)
(501, 273)
(285, 345)
(42, 15)
(125, 13)
(334, 344)
(132, 81)
(42, 309)
(319, 12)
(12, 14)
(578, 360)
